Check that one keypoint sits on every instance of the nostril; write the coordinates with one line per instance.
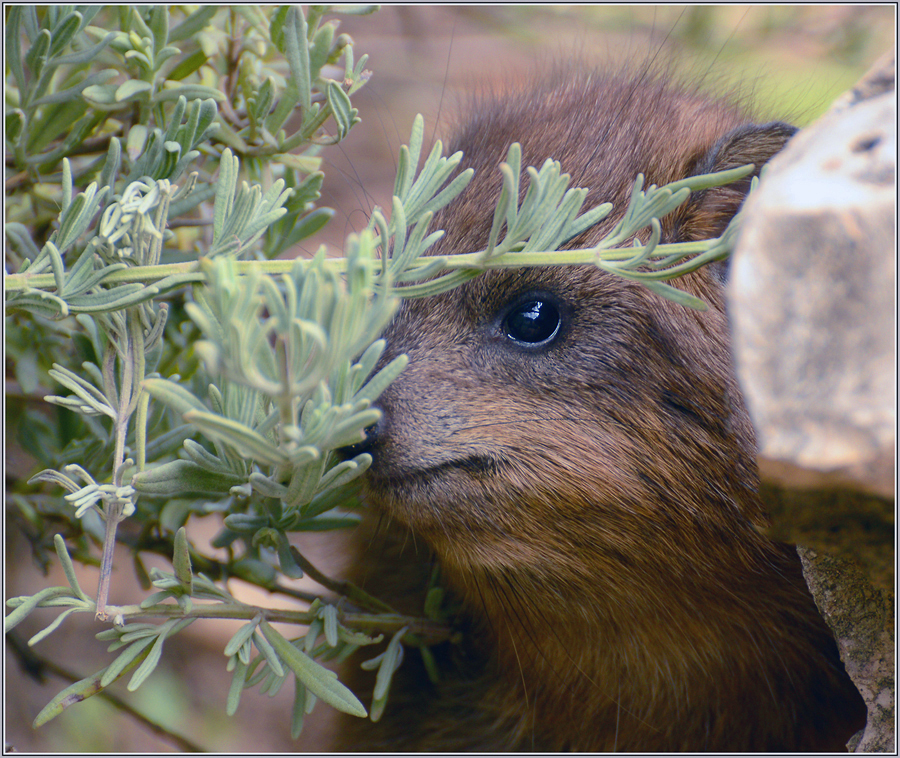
(364, 446)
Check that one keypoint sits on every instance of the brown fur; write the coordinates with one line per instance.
(593, 505)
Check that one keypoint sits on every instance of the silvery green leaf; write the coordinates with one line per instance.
(304, 481)
(225, 190)
(312, 634)
(102, 96)
(241, 636)
(113, 161)
(326, 523)
(379, 383)
(181, 561)
(159, 27)
(298, 711)
(319, 48)
(449, 193)
(675, 295)
(344, 114)
(433, 174)
(20, 234)
(203, 458)
(66, 562)
(255, 227)
(165, 54)
(426, 269)
(241, 209)
(126, 660)
(264, 97)
(364, 366)
(189, 131)
(355, 10)
(393, 656)
(174, 395)
(114, 299)
(238, 682)
(171, 154)
(587, 220)
(189, 92)
(90, 394)
(32, 26)
(82, 276)
(437, 286)
(72, 694)
(24, 608)
(273, 684)
(286, 560)
(245, 523)
(408, 160)
(296, 51)
(85, 55)
(48, 630)
(345, 472)
(329, 617)
(306, 227)
(510, 171)
(152, 660)
(194, 23)
(132, 90)
(552, 231)
(72, 93)
(65, 29)
(264, 645)
(157, 597)
(266, 487)
(241, 437)
(13, 45)
(320, 681)
(136, 141)
(182, 205)
(74, 220)
(36, 57)
(38, 301)
(56, 265)
(182, 478)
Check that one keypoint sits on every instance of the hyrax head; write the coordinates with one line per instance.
(566, 396)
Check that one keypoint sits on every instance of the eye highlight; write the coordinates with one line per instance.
(533, 322)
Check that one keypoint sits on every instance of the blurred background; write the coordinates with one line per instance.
(795, 60)
(791, 62)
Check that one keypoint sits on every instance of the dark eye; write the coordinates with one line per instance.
(533, 322)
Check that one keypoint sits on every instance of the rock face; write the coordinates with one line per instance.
(812, 298)
(812, 304)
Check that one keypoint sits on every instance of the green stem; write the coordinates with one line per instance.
(580, 256)
(113, 513)
(132, 374)
(343, 588)
(428, 632)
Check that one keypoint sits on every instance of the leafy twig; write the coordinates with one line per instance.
(341, 588)
(36, 666)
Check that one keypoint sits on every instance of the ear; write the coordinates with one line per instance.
(707, 213)
(710, 211)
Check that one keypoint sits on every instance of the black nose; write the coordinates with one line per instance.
(367, 445)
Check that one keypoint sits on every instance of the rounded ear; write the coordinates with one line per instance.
(750, 143)
(707, 213)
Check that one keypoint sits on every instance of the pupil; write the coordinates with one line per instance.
(533, 322)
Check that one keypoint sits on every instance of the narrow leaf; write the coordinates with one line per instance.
(320, 681)
(75, 693)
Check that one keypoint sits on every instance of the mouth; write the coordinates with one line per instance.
(446, 503)
(475, 466)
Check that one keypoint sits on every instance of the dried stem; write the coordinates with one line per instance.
(37, 667)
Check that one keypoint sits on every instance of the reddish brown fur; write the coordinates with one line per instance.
(593, 505)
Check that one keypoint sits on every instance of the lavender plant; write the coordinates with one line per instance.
(162, 159)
